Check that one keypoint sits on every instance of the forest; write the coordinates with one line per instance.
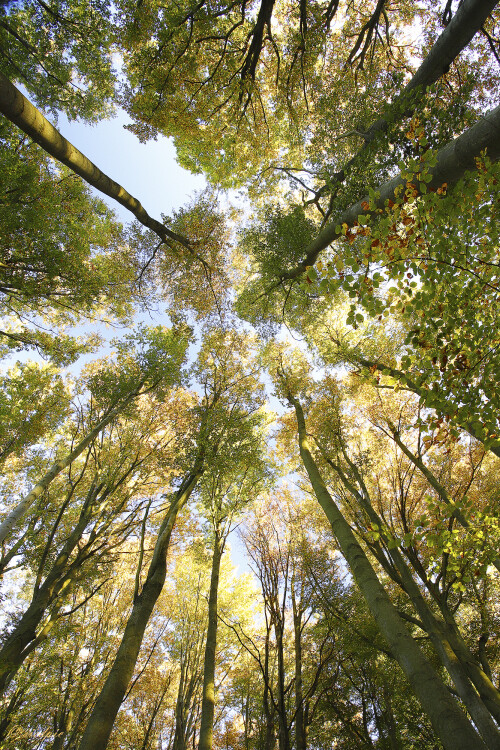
(250, 490)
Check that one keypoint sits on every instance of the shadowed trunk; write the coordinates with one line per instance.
(101, 721)
(448, 721)
(208, 699)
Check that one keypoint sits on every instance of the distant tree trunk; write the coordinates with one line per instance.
(180, 740)
(101, 721)
(269, 739)
(389, 721)
(185, 705)
(284, 734)
(300, 718)
(448, 721)
(208, 699)
(152, 717)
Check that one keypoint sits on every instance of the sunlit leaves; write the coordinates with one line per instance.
(61, 51)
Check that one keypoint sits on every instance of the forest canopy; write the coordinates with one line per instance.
(267, 515)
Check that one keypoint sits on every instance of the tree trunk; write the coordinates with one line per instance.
(30, 120)
(20, 641)
(448, 721)
(269, 738)
(185, 706)
(450, 659)
(208, 699)
(453, 160)
(101, 721)
(284, 735)
(300, 725)
(18, 512)
(467, 21)
(446, 647)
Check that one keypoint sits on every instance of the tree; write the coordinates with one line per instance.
(61, 52)
(233, 486)
(364, 139)
(430, 691)
(253, 81)
(156, 367)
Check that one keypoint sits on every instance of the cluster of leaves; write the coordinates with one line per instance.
(429, 262)
(62, 253)
(61, 52)
(233, 82)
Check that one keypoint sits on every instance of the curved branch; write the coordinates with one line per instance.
(30, 120)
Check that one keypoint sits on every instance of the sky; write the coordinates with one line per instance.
(148, 171)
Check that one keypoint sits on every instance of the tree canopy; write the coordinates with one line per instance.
(266, 516)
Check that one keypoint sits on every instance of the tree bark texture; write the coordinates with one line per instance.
(208, 698)
(101, 721)
(448, 721)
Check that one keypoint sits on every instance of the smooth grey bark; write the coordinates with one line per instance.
(474, 703)
(18, 512)
(108, 703)
(467, 21)
(448, 721)
(208, 696)
(31, 121)
(453, 160)
(444, 636)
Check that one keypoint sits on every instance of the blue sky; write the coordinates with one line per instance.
(148, 171)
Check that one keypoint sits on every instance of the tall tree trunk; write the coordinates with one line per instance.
(284, 734)
(389, 721)
(208, 699)
(101, 721)
(185, 706)
(179, 741)
(300, 719)
(450, 658)
(449, 722)
(269, 737)
(467, 21)
(30, 120)
(445, 638)
(453, 160)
